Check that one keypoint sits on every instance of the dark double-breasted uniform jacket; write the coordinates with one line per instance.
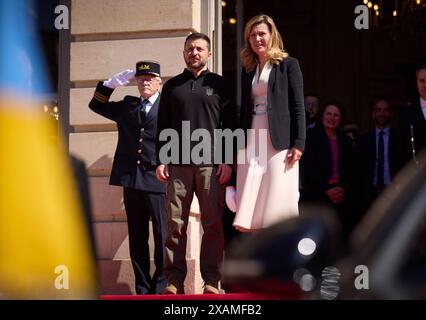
(135, 158)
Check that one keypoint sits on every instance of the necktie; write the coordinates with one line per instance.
(143, 109)
(380, 161)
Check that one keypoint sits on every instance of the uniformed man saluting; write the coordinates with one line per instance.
(134, 167)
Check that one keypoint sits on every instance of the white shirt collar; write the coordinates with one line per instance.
(385, 130)
(152, 98)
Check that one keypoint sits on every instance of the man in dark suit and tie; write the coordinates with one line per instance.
(134, 167)
(379, 155)
(413, 119)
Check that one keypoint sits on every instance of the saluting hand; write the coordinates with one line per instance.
(120, 79)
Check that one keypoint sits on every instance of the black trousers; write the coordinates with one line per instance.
(141, 206)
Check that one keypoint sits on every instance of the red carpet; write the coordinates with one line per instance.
(228, 296)
(257, 290)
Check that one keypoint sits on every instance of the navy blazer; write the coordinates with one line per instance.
(135, 158)
(286, 110)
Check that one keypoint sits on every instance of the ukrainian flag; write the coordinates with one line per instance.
(44, 247)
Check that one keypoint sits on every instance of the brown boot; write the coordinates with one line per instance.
(173, 288)
(211, 287)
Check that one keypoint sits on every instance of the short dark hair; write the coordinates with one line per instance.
(419, 68)
(198, 35)
(375, 102)
(312, 94)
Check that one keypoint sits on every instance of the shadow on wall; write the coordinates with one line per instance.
(110, 230)
(101, 167)
(116, 277)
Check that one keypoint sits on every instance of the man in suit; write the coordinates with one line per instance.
(134, 167)
(379, 155)
(313, 110)
(413, 119)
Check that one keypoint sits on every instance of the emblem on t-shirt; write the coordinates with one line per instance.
(209, 91)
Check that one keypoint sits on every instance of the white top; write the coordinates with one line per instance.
(259, 89)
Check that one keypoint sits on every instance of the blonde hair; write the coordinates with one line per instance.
(276, 52)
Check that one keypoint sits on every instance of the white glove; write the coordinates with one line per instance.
(120, 79)
(230, 198)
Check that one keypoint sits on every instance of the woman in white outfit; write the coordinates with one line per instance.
(273, 118)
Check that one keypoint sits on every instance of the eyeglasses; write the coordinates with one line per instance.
(145, 79)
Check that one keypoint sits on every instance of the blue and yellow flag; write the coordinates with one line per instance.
(44, 247)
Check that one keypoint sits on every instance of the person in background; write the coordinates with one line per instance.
(378, 154)
(134, 167)
(328, 165)
(413, 119)
(312, 107)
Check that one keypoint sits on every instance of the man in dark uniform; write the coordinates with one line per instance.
(134, 167)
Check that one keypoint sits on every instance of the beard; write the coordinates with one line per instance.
(197, 65)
